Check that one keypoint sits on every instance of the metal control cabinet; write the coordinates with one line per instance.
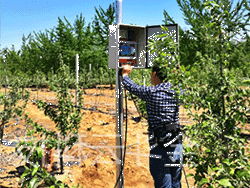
(129, 43)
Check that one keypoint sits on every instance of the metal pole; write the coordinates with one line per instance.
(77, 71)
(119, 102)
(118, 11)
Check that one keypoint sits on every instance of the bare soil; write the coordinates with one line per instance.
(94, 154)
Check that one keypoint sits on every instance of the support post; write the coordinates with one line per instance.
(119, 103)
(77, 72)
(90, 69)
(6, 79)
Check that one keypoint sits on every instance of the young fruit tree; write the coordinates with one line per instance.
(34, 175)
(66, 116)
(10, 105)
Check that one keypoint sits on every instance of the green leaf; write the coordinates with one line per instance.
(26, 172)
(246, 81)
(61, 185)
(183, 68)
(33, 183)
(245, 173)
(211, 24)
(34, 170)
(209, 170)
(215, 169)
(226, 12)
(226, 161)
(161, 35)
(189, 175)
(232, 172)
(224, 182)
(39, 152)
(203, 181)
(207, 150)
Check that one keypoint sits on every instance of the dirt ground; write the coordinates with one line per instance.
(94, 154)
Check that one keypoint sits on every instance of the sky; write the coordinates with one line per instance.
(21, 17)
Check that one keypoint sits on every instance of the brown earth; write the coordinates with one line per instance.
(95, 150)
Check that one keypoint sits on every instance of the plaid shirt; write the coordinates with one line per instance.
(161, 107)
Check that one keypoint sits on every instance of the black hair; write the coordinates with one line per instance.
(156, 68)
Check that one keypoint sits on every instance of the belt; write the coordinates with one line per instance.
(173, 126)
(169, 126)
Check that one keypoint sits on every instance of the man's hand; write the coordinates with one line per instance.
(126, 70)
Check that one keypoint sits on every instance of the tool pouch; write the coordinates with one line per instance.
(162, 135)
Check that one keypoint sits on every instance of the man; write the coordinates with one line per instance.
(165, 137)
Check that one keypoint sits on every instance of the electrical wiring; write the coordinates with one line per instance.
(124, 152)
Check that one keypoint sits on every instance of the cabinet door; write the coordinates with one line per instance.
(152, 31)
(113, 46)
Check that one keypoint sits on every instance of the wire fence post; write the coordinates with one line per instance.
(90, 69)
(6, 78)
(77, 71)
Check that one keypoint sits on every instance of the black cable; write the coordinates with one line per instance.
(126, 130)
(185, 176)
(136, 105)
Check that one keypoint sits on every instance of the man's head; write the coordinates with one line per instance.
(156, 76)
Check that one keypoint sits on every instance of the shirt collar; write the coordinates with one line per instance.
(162, 86)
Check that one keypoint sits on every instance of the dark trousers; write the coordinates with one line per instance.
(165, 170)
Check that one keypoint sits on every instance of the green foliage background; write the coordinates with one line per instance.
(40, 51)
(212, 96)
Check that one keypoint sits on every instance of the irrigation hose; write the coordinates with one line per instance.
(185, 176)
(126, 131)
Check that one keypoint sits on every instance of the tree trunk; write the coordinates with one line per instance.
(48, 159)
(111, 86)
(61, 161)
(1, 133)
(47, 76)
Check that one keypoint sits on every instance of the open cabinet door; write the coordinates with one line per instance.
(113, 46)
(152, 31)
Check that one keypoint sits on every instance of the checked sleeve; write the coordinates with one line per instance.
(140, 91)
